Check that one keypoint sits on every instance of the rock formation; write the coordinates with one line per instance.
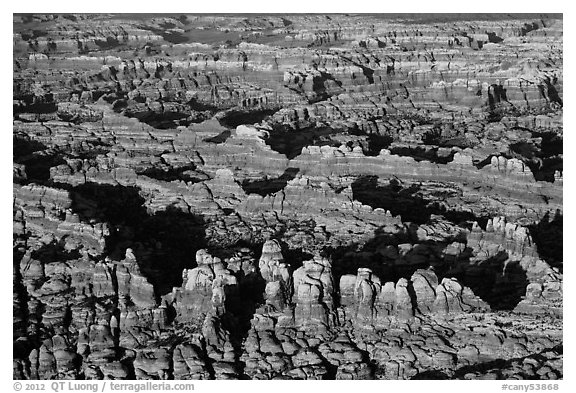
(287, 197)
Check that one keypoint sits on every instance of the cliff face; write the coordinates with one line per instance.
(300, 197)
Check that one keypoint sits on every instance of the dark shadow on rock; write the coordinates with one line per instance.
(481, 164)
(115, 204)
(164, 113)
(499, 283)
(109, 43)
(547, 235)
(446, 137)
(347, 259)
(460, 217)
(240, 310)
(37, 158)
(543, 158)
(496, 94)
(169, 173)
(493, 38)
(30, 103)
(234, 118)
(294, 257)
(545, 169)
(38, 166)
(392, 197)
(170, 240)
(167, 119)
(407, 202)
(323, 87)
(431, 375)
(501, 286)
(422, 153)
(376, 143)
(220, 138)
(20, 298)
(551, 150)
(164, 242)
(366, 71)
(269, 186)
(24, 146)
(55, 252)
(290, 142)
(200, 106)
(497, 105)
(553, 95)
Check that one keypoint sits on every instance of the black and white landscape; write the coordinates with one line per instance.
(371, 196)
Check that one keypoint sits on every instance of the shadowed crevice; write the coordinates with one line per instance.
(269, 186)
(548, 237)
(290, 142)
(234, 118)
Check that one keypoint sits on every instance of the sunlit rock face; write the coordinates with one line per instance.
(287, 197)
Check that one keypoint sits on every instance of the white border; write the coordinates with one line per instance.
(298, 6)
